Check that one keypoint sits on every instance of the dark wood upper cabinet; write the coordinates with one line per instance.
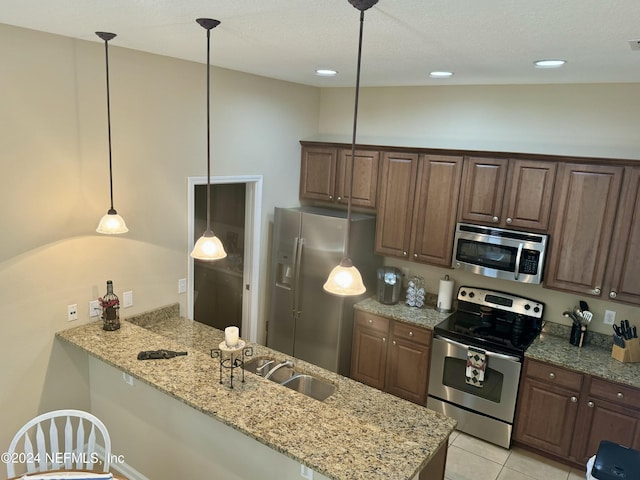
(622, 281)
(507, 193)
(325, 174)
(395, 211)
(483, 184)
(585, 207)
(434, 213)
(318, 173)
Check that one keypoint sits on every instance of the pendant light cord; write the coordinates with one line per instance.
(353, 140)
(208, 132)
(106, 56)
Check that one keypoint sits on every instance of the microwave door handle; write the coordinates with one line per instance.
(487, 353)
(518, 256)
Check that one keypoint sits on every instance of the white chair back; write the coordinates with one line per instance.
(67, 426)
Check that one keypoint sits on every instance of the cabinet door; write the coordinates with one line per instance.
(546, 416)
(483, 184)
(435, 208)
(585, 206)
(369, 352)
(318, 173)
(623, 277)
(607, 421)
(396, 190)
(529, 194)
(365, 178)
(408, 363)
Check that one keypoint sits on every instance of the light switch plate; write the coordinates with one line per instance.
(182, 285)
(127, 299)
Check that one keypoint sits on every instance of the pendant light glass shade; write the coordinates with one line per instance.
(111, 223)
(208, 247)
(345, 279)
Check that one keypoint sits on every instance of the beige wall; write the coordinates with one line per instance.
(54, 170)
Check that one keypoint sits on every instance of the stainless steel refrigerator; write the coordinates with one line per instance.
(304, 320)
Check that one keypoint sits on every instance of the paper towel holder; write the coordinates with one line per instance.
(439, 305)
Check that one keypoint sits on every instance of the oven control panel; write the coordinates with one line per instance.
(501, 301)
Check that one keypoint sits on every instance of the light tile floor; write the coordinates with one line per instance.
(472, 459)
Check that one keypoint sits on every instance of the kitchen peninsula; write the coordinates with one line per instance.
(356, 433)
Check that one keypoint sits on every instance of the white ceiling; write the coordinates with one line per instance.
(482, 41)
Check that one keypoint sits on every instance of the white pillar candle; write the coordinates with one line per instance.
(231, 336)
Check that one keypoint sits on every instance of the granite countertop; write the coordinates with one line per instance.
(552, 346)
(357, 433)
(592, 359)
(427, 317)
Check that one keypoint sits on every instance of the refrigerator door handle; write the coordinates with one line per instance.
(296, 278)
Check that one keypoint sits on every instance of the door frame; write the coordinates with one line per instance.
(252, 234)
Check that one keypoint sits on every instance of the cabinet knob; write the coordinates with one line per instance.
(330, 197)
(370, 321)
(411, 335)
(394, 342)
(574, 399)
(596, 291)
(613, 294)
(415, 255)
(552, 375)
(620, 395)
(509, 220)
(384, 339)
(404, 254)
(495, 219)
(591, 404)
(339, 198)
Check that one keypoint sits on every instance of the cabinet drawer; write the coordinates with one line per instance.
(368, 320)
(411, 332)
(554, 375)
(614, 392)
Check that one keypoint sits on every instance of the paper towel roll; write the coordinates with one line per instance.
(445, 295)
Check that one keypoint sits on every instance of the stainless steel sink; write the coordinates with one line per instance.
(286, 376)
(311, 386)
(262, 366)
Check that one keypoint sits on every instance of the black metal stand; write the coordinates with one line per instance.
(230, 360)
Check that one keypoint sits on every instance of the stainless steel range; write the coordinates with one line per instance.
(476, 359)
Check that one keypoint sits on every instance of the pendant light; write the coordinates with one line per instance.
(208, 246)
(111, 223)
(345, 279)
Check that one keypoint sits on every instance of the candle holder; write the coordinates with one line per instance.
(231, 358)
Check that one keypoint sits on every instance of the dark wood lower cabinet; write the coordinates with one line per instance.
(566, 414)
(392, 356)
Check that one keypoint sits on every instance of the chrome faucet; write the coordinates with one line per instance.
(284, 363)
(260, 370)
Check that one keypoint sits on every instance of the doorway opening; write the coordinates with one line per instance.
(224, 292)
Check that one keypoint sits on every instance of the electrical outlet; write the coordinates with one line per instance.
(182, 285)
(94, 308)
(72, 312)
(609, 317)
(127, 299)
(306, 472)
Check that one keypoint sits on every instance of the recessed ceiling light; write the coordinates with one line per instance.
(441, 74)
(326, 72)
(549, 63)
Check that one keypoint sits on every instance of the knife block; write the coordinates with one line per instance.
(630, 353)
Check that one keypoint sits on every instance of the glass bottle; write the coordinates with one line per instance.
(110, 309)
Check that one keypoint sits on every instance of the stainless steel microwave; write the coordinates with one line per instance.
(500, 253)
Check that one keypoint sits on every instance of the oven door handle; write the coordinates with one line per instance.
(487, 353)
(518, 257)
